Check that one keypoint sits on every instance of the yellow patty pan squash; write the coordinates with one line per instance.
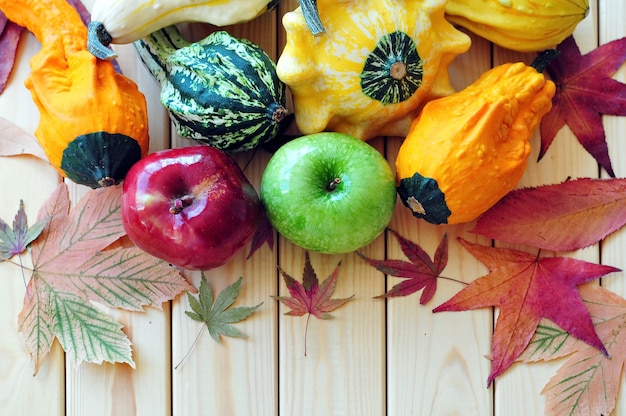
(376, 63)
(519, 25)
(466, 151)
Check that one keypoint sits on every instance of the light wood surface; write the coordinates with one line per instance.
(376, 357)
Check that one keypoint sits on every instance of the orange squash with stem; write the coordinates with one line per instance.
(93, 120)
(467, 150)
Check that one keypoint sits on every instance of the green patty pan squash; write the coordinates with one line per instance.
(466, 151)
(376, 63)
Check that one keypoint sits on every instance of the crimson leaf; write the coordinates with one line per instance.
(309, 297)
(561, 217)
(528, 288)
(263, 234)
(420, 272)
(9, 39)
(585, 91)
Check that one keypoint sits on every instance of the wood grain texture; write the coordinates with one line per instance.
(611, 18)
(118, 389)
(377, 357)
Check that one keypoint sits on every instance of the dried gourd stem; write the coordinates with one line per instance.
(279, 113)
(107, 181)
(98, 40)
(544, 59)
(398, 70)
(312, 16)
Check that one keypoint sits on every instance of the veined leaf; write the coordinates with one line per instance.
(16, 142)
(86, 334)
(585, 91)
(588, 383)
(218, 316)
(560, 217)
(528, 288)
(14, 240)
(420, 272)
(73, 265)
(309, 297)
(549, 341)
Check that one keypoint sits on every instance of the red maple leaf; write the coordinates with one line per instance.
(585, 91)
(420, 272)
(589, 209)
(528, 288)
(309, 297)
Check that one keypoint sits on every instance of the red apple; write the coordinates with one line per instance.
(192, 206)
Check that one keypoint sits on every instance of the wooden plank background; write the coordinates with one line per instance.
(391, 358)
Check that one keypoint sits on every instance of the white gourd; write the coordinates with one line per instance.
(125, 21)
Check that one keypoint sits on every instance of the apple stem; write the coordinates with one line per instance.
(178, 204)
(333, 184)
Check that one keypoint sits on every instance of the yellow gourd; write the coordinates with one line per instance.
(519, 25)
(372, 68)
(466, 151)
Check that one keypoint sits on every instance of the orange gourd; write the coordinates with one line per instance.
(466, 151)
(93, 121)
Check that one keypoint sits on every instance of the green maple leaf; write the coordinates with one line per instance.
(218, 316)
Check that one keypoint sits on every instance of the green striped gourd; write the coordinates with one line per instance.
(222, 91)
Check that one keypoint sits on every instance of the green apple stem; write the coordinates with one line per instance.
(333, 184)
(178, 204)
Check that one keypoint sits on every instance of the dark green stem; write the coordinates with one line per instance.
(544, 59)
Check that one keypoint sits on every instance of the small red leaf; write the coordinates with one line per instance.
(309, 297)
(563, 217)
(420, 273)
(14, 240)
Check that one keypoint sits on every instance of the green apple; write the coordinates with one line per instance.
(328, 192)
